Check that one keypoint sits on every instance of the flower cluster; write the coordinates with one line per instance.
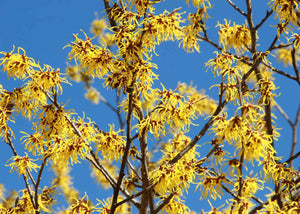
(110, 144)
(22, 165)
(286, 10)
(179, 176)
(236, 36)
(163, 27)
(17, 65)
(171, 109)
(245, 133)
(94, 61)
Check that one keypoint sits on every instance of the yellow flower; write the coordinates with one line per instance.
(267, 88)
(284, 55)
(189, 38)
(221, 63)
(17, 65)
(82, 206)
(285, 10)
(211, 186)
(49, 79)
(163, 27)
(297, 42)
(93, 95)
(179, 176)
(250, 186)
(93, 60)
(110, 144)
(236, 36)
(5, 117)
(106, 205)
(203, 104)
(22, 165)
(175, 206)
(98, 26)
(200, 3)
(46, 199)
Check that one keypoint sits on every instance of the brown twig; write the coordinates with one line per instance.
(281, 72)
(125, 155)
(237, 8)
(295, 66)
(164, 203)
(10, 143)
(36, 186)
(268, 14)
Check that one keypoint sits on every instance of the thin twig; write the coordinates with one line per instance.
(268, 14)
(295, 66)
(36, 186)
(281, 72)
(283, 114)
(10, 143)
(237, 8)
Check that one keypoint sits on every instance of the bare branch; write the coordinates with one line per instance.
(164, 203)
(295, 66)
(268, 14)
(237, 8)
(281, 72)
(283, 114)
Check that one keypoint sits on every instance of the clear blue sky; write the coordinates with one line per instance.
(43, 28)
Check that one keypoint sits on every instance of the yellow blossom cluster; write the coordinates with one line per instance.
(158, 28)
(17, 65)
(245, 133)
(94, 61)
(286, 10)
(176, 205)
(110, 144)
(236, 36)
(204, 105)
(179, 176)
(123, 62)
(171, 109)
(23, 165)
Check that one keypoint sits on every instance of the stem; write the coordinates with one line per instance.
(125, 155)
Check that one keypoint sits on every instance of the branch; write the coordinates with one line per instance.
(135, 195)
(294, 61)
(283, 114)
(36, 186)
(10, 143)
(295, 135)
(199, 136)
(125, 155)
(269, 12)
(293, 157)
(166, 201)
(294, 131)
(282, 73)
(108, 8)
(111, 180)
(237, 8)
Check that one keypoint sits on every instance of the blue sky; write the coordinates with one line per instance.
(43, 28)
